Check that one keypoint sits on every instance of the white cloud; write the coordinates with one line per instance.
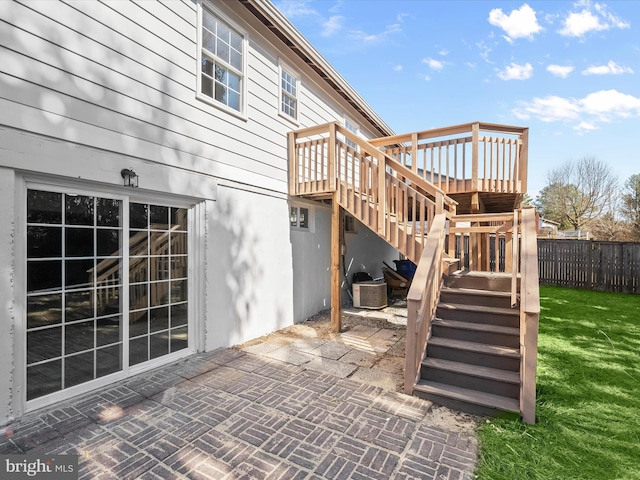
(332, 26)
(434, 64)
(361, 36)
(397, 68)
(583, 127)
(609, 104)
(295, 8)
(585, 113)
(591, 18)
(516, 72)
(549, 109)
(484, 51)
(611, 68)
(444, 52)
(561, 71)
(521, 23)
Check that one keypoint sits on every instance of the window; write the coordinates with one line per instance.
(352, 127)
(288, 93)
(350, 224)
(299, 217)
(78, 328)
(221, 62)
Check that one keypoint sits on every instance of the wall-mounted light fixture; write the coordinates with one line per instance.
(130, 177)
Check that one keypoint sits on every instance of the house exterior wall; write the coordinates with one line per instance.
(365, 252)
(89, 88)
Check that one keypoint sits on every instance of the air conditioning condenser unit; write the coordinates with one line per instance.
(370, 295)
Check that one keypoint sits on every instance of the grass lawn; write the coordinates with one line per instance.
(588, 395)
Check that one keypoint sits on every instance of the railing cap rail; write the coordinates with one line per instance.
(451, 130)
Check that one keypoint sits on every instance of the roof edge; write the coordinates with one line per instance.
(273, 19)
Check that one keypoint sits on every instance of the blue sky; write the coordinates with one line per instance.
(567, 70)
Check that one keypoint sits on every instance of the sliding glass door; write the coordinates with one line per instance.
(79, 275)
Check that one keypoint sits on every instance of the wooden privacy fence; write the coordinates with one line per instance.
(590, 264)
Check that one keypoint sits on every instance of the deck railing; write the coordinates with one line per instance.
(470, 240)
(422, 301)
(472, 157)
(403, 200)
(383, 194)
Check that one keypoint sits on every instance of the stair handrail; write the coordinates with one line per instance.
(529, 314)
(422, 300)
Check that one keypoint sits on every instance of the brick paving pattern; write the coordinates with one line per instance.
(236, 415)
(282, 407)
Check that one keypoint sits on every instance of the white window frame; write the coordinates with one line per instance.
(20, 403)
(353, 127)
(284, 68)
(310, 220)
(242, 113)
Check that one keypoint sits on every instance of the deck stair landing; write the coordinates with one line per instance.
(473, 358)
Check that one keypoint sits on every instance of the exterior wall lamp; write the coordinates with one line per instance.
(130, 178)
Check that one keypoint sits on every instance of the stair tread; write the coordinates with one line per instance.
(480, 308)
(475, 347)
(468, 395)
(477, 291)
(480, 327)
(474, 370)
(476, 273)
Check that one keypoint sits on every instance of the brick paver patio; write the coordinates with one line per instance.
(232, 414)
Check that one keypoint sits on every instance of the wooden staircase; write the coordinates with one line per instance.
(471, 335)
(473, 357)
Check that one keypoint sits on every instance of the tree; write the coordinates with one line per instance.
(526, 200)
(607, 227)
(577, 192)
(630, 205)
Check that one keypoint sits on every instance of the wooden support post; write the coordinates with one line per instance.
(475, 140)
(524, 160)
(336, 277)
(382, 195)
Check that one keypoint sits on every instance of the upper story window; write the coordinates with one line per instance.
(288, 92)
(352, 127)
(222, 62)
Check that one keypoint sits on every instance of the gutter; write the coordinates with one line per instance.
(282, 28)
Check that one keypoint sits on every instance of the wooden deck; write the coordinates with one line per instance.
(465, 182)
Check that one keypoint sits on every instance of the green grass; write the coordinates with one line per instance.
(588, 395)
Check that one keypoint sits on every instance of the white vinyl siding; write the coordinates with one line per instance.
(123, 81)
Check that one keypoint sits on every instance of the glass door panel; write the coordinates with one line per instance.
(74, 280)
(158, 278)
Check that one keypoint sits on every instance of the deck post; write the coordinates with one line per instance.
(382, 194)
(333, 174)
(336, 223)
(524, 160)
(475, 136)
